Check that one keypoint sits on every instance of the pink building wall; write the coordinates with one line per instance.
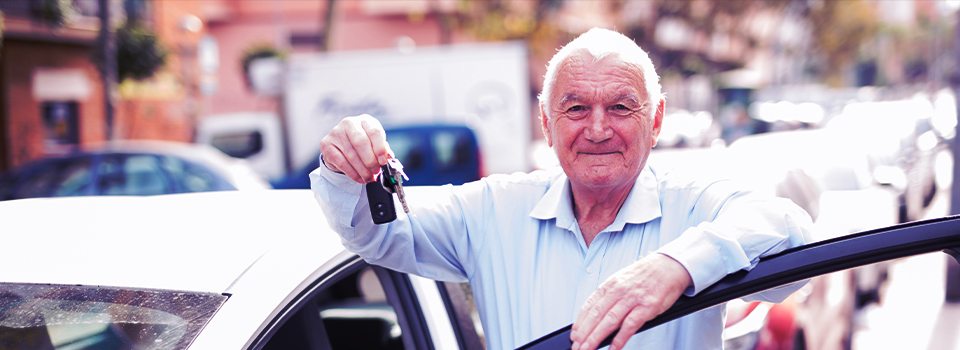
(237, 25)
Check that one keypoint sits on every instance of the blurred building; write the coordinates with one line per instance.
(237, 26)
(52, 90)
(712, 55)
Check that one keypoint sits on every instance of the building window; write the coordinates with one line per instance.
(60, 124)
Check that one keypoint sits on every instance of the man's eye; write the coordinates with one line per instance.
(620, 109)
(577, 112)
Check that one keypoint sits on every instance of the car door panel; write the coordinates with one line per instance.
(797, 264)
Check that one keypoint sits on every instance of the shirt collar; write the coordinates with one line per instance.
(642, 203)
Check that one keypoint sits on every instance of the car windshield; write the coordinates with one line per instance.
(76, 317)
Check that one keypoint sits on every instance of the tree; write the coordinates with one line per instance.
(840, 29)
(139, 52)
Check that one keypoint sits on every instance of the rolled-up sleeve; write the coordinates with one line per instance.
(737, 229)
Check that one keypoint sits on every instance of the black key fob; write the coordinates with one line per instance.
(381, 203)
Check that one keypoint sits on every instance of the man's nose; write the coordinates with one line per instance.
(598, 129)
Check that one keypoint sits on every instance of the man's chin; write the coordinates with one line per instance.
(600, 180)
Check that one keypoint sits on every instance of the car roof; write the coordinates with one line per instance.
(193, 242)
(235, 171)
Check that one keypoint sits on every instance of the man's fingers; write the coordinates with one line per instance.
(332, 156)
(629, 327)
(628, 299)
(360, 146)
(359, 138)
(378, 139)
(590, 315)
(626, 315)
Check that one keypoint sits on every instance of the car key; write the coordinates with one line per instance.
(379, 193)
(397, 176)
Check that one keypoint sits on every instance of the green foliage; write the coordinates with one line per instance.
(840, 28)
(255, 51)
(139, 52)
(53, 12)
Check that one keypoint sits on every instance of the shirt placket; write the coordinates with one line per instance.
(589, 274)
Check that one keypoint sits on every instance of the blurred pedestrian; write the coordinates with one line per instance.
(605, 241)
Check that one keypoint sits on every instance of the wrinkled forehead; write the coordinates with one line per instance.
(609, 69)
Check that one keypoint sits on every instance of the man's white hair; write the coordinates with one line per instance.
(601, 43)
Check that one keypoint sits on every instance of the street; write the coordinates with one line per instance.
(912, 313)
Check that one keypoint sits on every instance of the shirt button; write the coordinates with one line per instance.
(590, 270)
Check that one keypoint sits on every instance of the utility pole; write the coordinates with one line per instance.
(108, 66)
(327, 26)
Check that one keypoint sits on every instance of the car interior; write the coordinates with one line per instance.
(360, 306)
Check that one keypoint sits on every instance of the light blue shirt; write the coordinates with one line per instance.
(516, 240)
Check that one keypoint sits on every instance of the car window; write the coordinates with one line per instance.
(38, 182)
(137, 174)
(352, 311)
(464, 315)
(452, 148)
(75, 179)
(409, 148)
(239, 145)
(190, 177)
(75, 317)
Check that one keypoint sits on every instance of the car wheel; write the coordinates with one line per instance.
(953, 280)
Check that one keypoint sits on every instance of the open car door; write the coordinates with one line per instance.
(800, 263)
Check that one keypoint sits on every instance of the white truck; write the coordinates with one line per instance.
(484, 87)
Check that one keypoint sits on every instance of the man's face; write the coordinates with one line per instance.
(599, 121)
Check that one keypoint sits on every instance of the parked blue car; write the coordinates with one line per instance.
(430, 154)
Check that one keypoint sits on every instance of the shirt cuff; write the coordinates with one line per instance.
(337, 192)
(703, 261)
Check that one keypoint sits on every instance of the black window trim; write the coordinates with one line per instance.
(801, 263)
(400, 292)
(467, 337)
(397, 287)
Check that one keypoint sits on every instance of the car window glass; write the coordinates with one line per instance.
(75, 179)
(352, 313)
(239, 145)
(408, 148)
(464, 308)
(131, 175)
(189, 177)
(452, 148)
(73, 317)
(7, 186)
(39, 182)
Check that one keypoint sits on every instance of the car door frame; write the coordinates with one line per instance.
(400, 292)
(801, 263)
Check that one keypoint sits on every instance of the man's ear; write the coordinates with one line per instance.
(544, 127)
(657, 121)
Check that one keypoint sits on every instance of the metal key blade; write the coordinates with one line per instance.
(403, 198)
(393, 179)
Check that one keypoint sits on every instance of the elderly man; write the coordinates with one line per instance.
(607, 242)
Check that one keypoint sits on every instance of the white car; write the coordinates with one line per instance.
(262, 270)
(215, 270)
